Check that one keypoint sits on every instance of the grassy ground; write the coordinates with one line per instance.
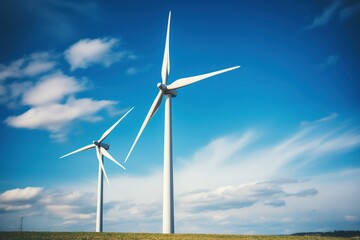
(141, 236)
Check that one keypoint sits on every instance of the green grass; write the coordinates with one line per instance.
(150, 236)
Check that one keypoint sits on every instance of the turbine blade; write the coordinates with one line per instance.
(106, 154)
(79, 150)
(165, 70)
(155, 105)
(107, 132)
(99, 157)
(182, 82)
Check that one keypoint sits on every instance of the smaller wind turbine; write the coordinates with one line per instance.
(101, 148)
(21, 223)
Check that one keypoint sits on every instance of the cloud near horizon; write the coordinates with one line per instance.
(235, 197)
(229, 187)
(20, 195)
(40, 203)
(225, 186)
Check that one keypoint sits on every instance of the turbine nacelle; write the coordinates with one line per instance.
(102, 145)
(165, 90)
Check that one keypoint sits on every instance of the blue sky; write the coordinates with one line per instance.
(270, 148)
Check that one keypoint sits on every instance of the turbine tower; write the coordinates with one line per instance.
(169, 91)
(101, 151)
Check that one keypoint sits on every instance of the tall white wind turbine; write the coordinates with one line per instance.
(101, 151)
(169, 91)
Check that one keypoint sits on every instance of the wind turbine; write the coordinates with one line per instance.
(169, 91)
(101, 151)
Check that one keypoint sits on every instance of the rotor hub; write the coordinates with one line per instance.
(166, 91)
(102, 145)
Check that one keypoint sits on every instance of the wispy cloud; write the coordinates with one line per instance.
(350, 11)
(332, 116)
(31, 66)
(351, 218)
(13, 92)
(327, 14)
(336, 10)
(28, 66)
(55, 117)
(13, 70)
(231, 197)
(132, 71)
(87, 52)
(329, 61)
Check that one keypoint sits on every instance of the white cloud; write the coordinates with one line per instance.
(68, 212)
(66, 198)
(321, 120)
(52, 100)
(38, 67)
(275, 207)
(54, 117)
(51, 88)
(87, 52)
(52, 208)
(351, 218)
(13, 208)
(232, 197)
(28, 66)
(46, 97)
(20, 194)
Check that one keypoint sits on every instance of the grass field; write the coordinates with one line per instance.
(150, 236)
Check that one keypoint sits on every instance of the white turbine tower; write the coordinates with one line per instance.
(169, 91)
(100, 153)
